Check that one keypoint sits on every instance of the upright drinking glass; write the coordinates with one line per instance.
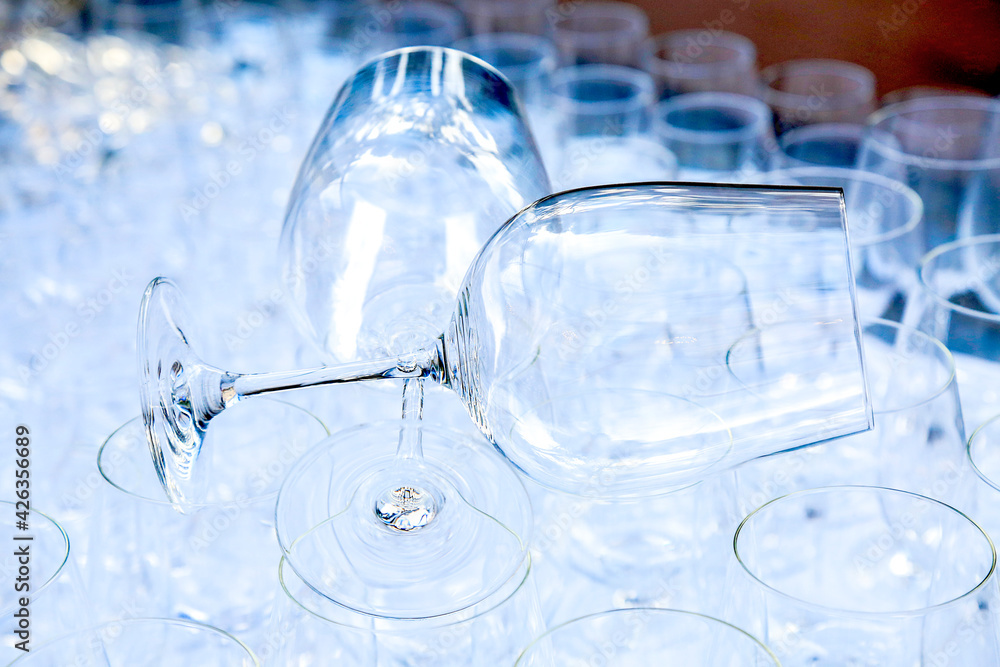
(960, 305)
(717, 137)
(804, 92)
(421, 23)
(821, 145)
(633, 637)
(984, 454)
(602, 120)
(883, 218)
(948, 150)
(607, 32)
(859, 575)
(590, 556)
(682, 62)
(918, 441)
(498, 16)
(215, 562)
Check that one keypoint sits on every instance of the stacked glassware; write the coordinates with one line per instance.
(744, 417)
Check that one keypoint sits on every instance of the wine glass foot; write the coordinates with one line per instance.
(172, 389)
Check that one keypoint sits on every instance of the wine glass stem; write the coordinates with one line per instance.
(410, 439)
(425, 363)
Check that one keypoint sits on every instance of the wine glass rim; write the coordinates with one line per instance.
(143, 620)
(745, 50)
(442, 620)
(904, 613)
(924, 266)
(193, 506)
(65, 552)
(658, 611)
(914, 202)
(990, 481)
(758, 114)
(816, 66)
(875, 141)
(404, 52)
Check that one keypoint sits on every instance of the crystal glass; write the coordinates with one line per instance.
(314, 630)
(918, 441)
(423, 155)
(948, 150)
(717, 137)
(804, 92)
(393, 555)
(699, 61)
(499, 16)
(527, 61)
(959, 303)
(918, 92)
(602, 100)
(573, 286)
(143, 642)
(421, 23)
(867, 576)
(599, 32)
(49, 580)
(601, 119)
(984, 455)
(821, 145)
(211, 557)
(587, 161)
(666, 551)
(883, 219)
(633, 637)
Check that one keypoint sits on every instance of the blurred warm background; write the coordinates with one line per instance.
(951, 43)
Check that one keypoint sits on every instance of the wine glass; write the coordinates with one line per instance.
(421, 157)
(804, 92)
(681, 63)
(948, 150)
(646, 636)
(857, 575)
(959, 304)
(570, 286)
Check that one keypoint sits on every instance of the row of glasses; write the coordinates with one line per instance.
(821, 576)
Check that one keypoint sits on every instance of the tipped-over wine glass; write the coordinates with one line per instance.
(564, 318)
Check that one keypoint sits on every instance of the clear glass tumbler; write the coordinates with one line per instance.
(856, 575)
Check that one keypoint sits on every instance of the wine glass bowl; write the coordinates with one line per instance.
(422, 156)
